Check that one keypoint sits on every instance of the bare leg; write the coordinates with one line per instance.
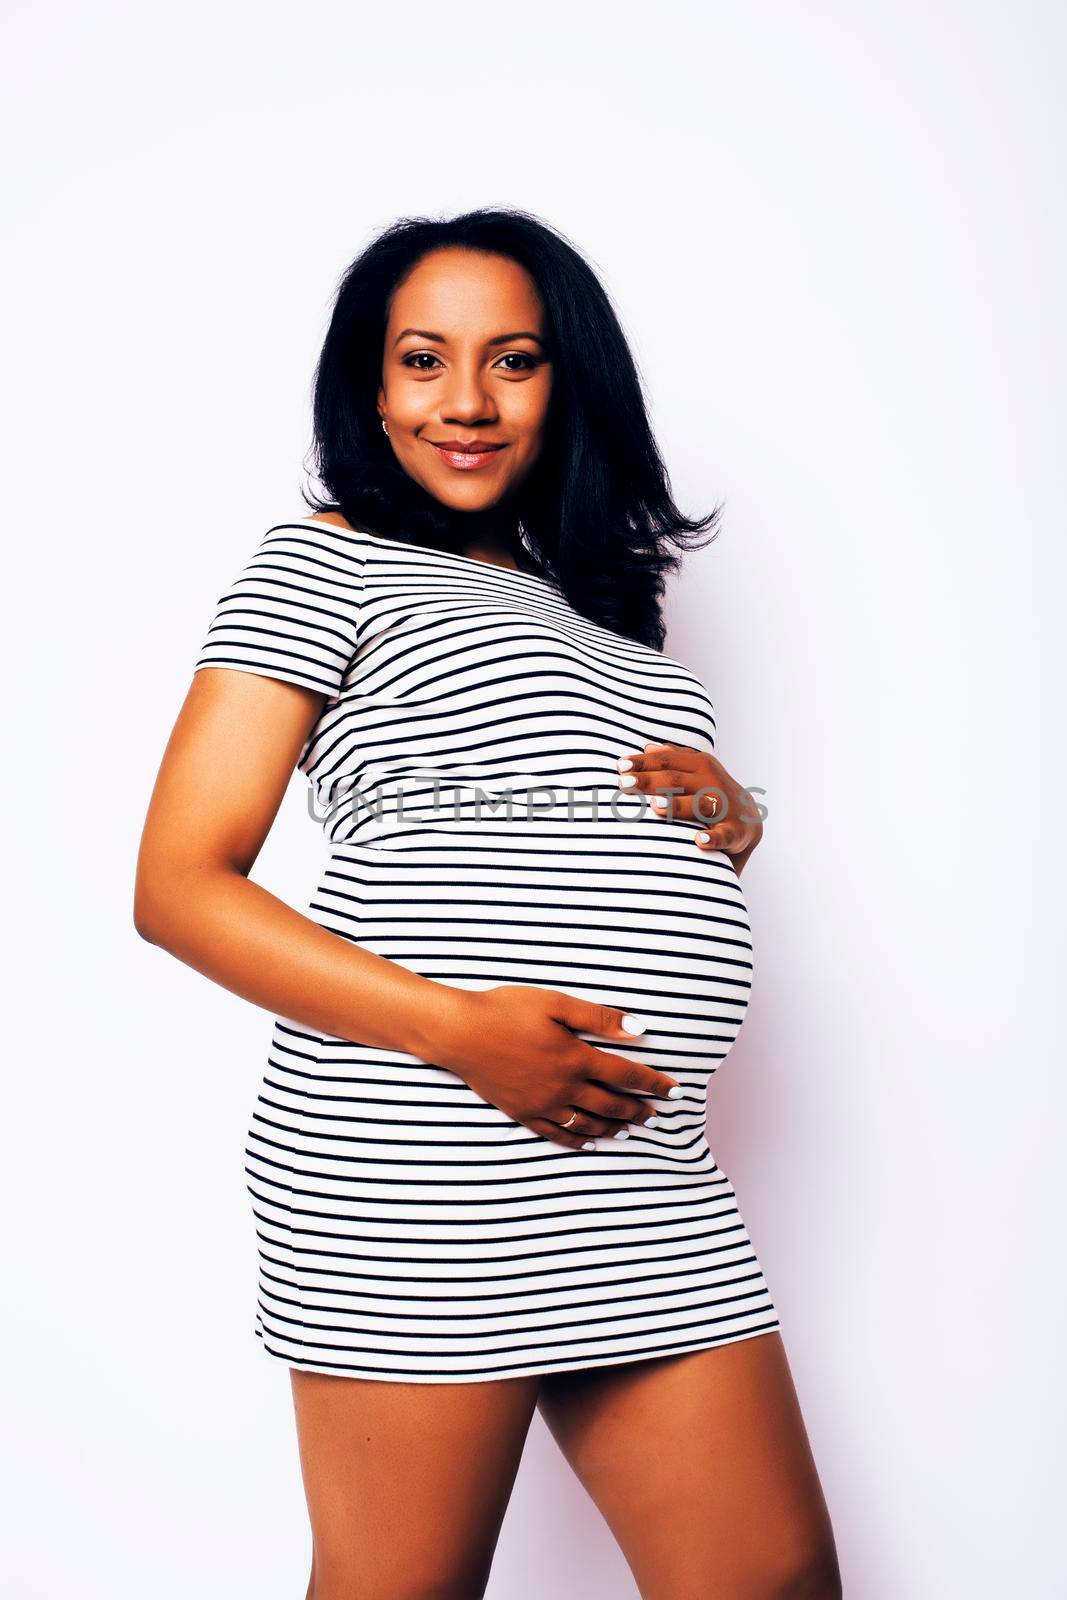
(407, 1483)
(701, 1466)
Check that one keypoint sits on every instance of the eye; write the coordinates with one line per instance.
(528, 362)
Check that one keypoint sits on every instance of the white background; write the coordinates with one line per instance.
(835, 237)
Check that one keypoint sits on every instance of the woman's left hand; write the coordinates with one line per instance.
(694, 786)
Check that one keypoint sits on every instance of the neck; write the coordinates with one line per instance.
(494, 528)
(491, 534)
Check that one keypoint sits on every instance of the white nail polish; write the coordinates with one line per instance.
(653, 1122)
(627, 781)
(632, 1024)
(625, 764)
(676, 1093)
(704, 837)
(623, 1133)
(590, 1144)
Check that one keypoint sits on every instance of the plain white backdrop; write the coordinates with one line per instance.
(836, 239)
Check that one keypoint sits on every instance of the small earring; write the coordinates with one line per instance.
(385, 430)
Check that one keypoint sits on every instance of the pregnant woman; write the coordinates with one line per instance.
(477, 1160)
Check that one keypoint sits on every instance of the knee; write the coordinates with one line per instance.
(814, 1575)
(344, 1583)
(435, 1591)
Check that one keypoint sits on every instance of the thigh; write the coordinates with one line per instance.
(407, 1483)
(701, 1466)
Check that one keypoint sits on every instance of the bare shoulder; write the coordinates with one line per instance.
(333, 517)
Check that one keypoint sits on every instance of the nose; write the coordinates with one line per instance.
(467, 399)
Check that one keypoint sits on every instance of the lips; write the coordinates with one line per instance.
(465, 447)
(465, 457)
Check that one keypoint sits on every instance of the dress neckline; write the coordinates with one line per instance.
(425, 550)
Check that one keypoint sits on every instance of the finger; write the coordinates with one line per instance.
(592, 1017)
(566, 1137)
(671, 754)
(589, 1016)
(590, 1126)
(727, 836)
(663, 759)
(614, 1108)
(651, 777)
(711, 806)
(624, 1076)
(671, 791)
(637, 760)
(679, 807)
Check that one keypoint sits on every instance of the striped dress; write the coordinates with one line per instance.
(463, 767)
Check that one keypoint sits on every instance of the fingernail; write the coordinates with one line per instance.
(676, 1093)
(623, 1133)
(624, 764)
(704, 838)
(657, 801)
(631, 1024)
(590, 1144)
(627, 781)
(652, 1122)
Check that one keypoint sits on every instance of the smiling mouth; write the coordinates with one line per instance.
(467, 460)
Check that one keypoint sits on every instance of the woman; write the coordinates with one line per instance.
(478, 1159)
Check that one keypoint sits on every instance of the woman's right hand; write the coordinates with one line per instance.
(517, 1047)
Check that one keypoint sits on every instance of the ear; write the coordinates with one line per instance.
(381, 401)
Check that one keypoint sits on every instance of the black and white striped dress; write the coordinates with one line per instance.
(408, 1229)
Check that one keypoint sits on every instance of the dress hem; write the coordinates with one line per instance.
(520, 1370)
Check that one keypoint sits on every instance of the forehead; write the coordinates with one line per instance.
(467, 292)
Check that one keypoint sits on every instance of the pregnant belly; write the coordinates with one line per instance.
(629, 914)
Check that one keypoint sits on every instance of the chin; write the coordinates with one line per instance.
(464, 502)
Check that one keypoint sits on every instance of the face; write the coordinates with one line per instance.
(464, 369)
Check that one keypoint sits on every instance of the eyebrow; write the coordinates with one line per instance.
(439, 338)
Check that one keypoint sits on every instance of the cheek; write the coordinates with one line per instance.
(527, 418)
(409, 407)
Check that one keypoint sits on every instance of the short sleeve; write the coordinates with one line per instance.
(292, 612)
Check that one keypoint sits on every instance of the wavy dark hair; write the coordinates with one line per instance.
(595, 513)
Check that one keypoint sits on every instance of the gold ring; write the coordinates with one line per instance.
(572, 1118)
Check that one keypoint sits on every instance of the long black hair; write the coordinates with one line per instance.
(595, 513)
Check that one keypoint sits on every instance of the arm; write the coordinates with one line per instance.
(225, 769)
(224, 772)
